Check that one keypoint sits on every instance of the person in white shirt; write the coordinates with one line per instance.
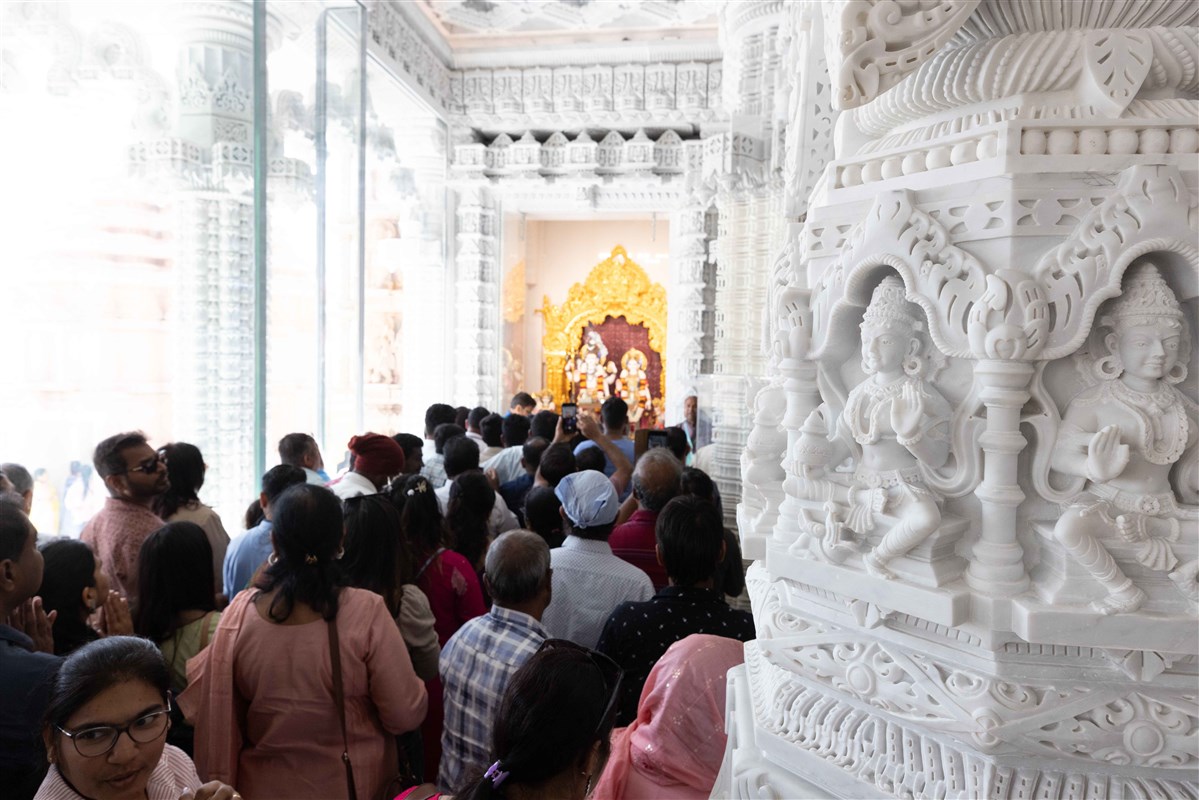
(473, 431)
(461, 456)
(377, 459)
(514, 432)
(492, 429)
(589, 581)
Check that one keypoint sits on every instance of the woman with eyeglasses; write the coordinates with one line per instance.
(306, 682)
(550, 737)
(181, 502)
(106, 726)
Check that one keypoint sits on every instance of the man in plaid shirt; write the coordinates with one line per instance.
(478, 660)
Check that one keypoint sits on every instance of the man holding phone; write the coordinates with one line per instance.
(614, 415)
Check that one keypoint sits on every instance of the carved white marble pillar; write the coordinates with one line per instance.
(477, 298)
(804, 118)
(738, 162)
(215, 268)
(977, 585)
(689, 335)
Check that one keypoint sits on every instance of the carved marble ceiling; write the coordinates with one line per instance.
(473, 20)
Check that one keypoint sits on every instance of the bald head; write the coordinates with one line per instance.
(517, 567)
(656, 479)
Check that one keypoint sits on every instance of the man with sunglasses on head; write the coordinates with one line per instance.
(134, 475)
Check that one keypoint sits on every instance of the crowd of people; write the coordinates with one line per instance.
(502, 607)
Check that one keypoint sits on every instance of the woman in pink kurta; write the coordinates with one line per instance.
(261, 695)
(447, 579)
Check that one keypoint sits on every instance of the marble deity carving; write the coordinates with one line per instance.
(1125, 435)
(895, 425)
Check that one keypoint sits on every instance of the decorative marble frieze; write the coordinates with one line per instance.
(622, 97)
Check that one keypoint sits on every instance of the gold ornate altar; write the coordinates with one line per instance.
(616, 287)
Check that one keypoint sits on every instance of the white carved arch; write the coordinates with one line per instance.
(1152, 210)
(944, 280)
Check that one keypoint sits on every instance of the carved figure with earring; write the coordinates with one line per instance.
(1125, 436)
(895, 423)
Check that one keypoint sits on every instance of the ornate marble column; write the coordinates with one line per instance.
(689, 338)
(477, 297)
(982, 577)
(740, 163)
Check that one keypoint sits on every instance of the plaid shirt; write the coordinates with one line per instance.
(476, 664)
(434, 470)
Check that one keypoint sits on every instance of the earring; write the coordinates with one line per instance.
(1109, 367)
(911, 365)
(272, 559)
(587, 791)
(341, 551)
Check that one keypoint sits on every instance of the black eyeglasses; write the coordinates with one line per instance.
(149, 466)
(98, 741)
(610, 671)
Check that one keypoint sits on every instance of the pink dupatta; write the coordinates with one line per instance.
(678, 738)
(210, 701)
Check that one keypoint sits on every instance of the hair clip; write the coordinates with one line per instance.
(497, 775)
(410, 492)
(310, 559)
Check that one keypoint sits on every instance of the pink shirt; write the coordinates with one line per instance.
(116, 534)
(284, 722)
(450, 583)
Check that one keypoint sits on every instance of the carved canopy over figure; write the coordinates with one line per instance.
(893, 423)
(1125, 435)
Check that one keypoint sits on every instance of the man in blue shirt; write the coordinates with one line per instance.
(248, 552)
(478, 660)
(614, 415)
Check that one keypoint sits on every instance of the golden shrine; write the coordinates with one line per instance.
(616, 287)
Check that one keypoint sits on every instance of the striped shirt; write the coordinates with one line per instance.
(476, 664)
(174, 774)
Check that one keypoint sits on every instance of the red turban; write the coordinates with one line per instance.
(376, 454)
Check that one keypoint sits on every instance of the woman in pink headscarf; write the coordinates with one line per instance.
(674, 748)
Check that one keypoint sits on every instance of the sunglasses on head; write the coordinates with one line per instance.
(610, 672)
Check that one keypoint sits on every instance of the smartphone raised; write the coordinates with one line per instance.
(570, 417)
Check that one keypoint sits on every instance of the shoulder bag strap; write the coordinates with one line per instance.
(340, 698)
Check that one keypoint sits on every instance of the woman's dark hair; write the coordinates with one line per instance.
(689, 534)
(307, 534)
(471, 501)
(375, 557)
(98, 666)
(542, 515)
(420, 518)
(185, 468)
(254, 515)
(551, 715)
(174, 574)
(70, 567)
(697, 482)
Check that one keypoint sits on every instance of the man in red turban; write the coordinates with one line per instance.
(377, 459)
